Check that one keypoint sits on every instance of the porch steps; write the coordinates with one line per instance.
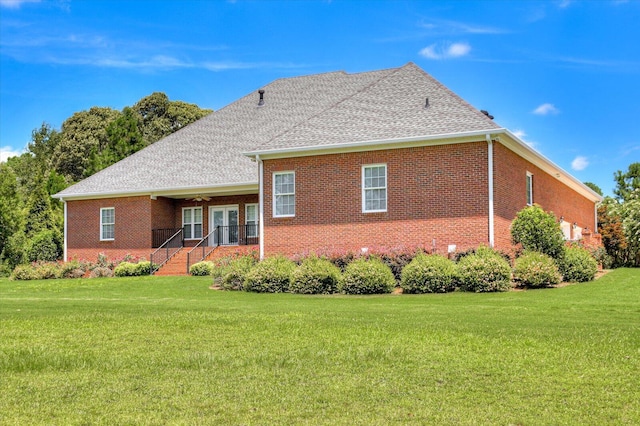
(177, 265)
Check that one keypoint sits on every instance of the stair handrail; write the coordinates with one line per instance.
(199, 245)
(166, 246)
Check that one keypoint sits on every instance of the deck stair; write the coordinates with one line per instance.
(177, 265)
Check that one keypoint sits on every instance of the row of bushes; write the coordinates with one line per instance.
(483, 270)
(78, 269)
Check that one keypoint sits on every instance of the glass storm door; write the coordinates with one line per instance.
(225, 220)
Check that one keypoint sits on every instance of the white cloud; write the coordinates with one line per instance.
(15, 4)
(446, 50)
(8, 151)
(546, 109)
(441, 26)
(522, 135)
(579, 163)
(563, 4)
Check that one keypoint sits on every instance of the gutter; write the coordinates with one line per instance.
(260, 206)
(187, 190)
(371, 143)
(490, 179)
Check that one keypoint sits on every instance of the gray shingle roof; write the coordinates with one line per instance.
(315, 110)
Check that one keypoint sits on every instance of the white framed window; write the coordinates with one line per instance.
(529, 188)
(284, 194)
(374, 188)
(251, 219)
(192, 223)
(107, 224)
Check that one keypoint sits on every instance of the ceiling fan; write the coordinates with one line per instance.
(199, 198)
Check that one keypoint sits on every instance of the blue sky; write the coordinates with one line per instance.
(564, 75)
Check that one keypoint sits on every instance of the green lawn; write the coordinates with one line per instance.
(156, 350)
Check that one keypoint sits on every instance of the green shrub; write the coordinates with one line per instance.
(236, 271)
(364, 276)
(128, 269)
(539, 231)
(24, 272)
(44, 247)
(101, 271)
(73, 269)
(143, 268)
(272, 275)
(578, 265)
(429, 274)
(48, 271)
(315, 276)
(534, 269)
(201, 269)
(125, 269)
(484, 271)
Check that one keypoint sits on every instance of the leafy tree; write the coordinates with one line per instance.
(124, 138)
(595, 187)
(10, 206)
(160, 117)
(612, 233)
(629, 213)
(627, 182)
(538, 231)
(83, 132)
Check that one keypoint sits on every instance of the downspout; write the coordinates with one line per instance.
(260, 206)
(490, 171)
(64, 252)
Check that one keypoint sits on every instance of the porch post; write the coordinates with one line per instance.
(64, 252)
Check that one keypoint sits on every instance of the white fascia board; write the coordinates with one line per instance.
(376, 144)
(224, 189)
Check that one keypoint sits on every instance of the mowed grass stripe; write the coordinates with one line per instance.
(155, 350)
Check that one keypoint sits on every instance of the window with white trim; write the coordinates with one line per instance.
(107, 224)
(374, 188)
(192, 223)
(251, 219)
(284, 194)
(529, 188)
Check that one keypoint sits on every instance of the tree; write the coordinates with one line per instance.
(595, 187)
(610, 228)
(83, 132)
(160, 117)
(538, 231)
(10, 206)
(629, 212)
(627, 182)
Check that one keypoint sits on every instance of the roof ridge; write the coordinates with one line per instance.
(366, 87)
(456, 96)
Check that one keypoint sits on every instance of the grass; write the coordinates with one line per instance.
(153, 350)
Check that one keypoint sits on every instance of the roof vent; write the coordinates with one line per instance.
(486, 113)
(261, 101)
(426, 103)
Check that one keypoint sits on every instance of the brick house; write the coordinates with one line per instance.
(327, 162)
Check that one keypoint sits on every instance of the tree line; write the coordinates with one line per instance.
(31, 222)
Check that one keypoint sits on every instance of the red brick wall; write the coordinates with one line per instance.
(135, 218)
(437, 192)
(510, 172)
(132, 227)
(163, 213)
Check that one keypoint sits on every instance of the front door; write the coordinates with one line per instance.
(224, 220)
